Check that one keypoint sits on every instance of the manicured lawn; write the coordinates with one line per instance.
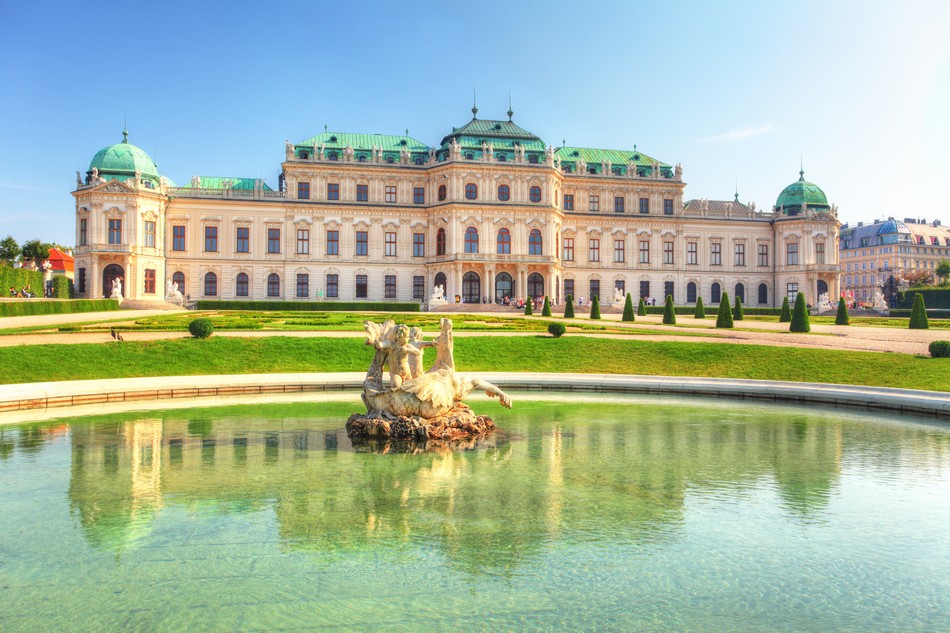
(572, 353)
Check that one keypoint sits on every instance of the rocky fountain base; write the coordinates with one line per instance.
(459, 423)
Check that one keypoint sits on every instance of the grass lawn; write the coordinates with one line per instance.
(526, 353)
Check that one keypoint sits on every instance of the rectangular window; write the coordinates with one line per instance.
(763, 254)
(594, 203)
(594, 289)
(667, 207)
(618, 204)
(820, 253)
(389, 287)
(333, 242)
(362, 193)
(644, 252)
(361, 287)
(667, 289)
(333, 285)
(692, 253)
(667, 252)
(792, 292)
(303, 191)
(621, 285)
(418, 244)
(418, 287)
(418, 195)
(333, 191)
(644, 289)
(273, 240)
(619, 248)
(82, 281)
(150, 281)
(569, 288)
(115, 231)
(391, 244)
(178, 238)
(211, 239)
(390, 193)
(149, 234)
(362, 243)
(568, 249)
(740, 254)
(303, 285)
(82, 232)
(644, 205)
(303, 241)
(715, 254)
(243, 244)
(791, 255)
(594, 250)
(568, 201)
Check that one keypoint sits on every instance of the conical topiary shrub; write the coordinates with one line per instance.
(737, 311)
(628, 309)
(724, 318)
(842, 317)
(595, 308)
(546, 310)
(641, 308)
(800, 315)
(528, 311)
(700, 310)
(786, 315)
(669, 314)
(918, 314)
(569, 307)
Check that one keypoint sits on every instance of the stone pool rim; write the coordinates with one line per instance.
(46, 396)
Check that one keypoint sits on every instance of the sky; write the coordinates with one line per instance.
(740, 93)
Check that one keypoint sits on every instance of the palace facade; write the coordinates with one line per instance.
(492, 211)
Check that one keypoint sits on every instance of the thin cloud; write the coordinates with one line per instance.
(739, 134)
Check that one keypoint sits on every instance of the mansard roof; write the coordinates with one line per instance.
(716, 206)
(214, 182)
(386, 142)
(594, 158)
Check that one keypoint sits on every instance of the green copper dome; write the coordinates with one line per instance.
(801, 191)
(122, 160)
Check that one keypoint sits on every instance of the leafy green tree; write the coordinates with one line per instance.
(737, 312)
(842, 317)
(700, 310)
(628, 309)
(724, 318)
(641, 308)
(35, 250)
(528, 311)
(786, 315)
(943, 271)
(669, 314)
(918, 314)
(569, 307)
(546, 310)
(595, 308)
(9, 249)
(800, 321)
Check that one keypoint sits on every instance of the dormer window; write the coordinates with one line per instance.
(332, 156)
(418, 160)
(568, 169)
(591, 170)
(533, 159)
(615, 171)
(390, 160)
(333, 139)
(469, 156)
(304, 154)
(361, 158)
(501, 158)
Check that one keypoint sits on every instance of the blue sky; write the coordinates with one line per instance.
(736, 92)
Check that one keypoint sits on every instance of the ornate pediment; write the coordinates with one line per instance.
(114, 186)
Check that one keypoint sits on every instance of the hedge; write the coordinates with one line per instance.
(933, 297)
(62, 288)
(931, 314)
(19, 278)
(691, 310)
(309, 306)
(30, 307)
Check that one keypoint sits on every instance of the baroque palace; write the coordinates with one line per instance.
(491, 212)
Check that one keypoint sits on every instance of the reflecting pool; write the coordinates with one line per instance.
(607, 514)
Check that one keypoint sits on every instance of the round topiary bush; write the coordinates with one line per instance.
(201, 328)
(940, 349)
(556, 329)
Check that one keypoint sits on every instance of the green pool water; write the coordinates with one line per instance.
(606, 514)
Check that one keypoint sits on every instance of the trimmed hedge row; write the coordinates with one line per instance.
(691, 310)
(30, 307)
(309, 306)
(19, 278)
(62, 288)
(933, 297)
(931, 314)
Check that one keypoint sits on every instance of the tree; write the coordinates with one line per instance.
(569, 307)
(546, 310)
(641, 308)
(918, 314)
(943, 271)
(800, 315)
(919, 278)
(9, 249)
(35, 250)
(527, 307)
(628, 309)
(724, 318)
(891, 288)
(669, 314)
(595, 308)
(737, 312)
(842, 318)
(786, 315)
(700, 310)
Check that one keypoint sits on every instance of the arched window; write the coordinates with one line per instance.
(504, 286)
(211, 285)
(273, 285)
(240, 285)
(533, 159)
(691, 292)
(418, 160)
(504, 193)
(440, 241)
(715, 293)
(390, 159)
(470, 156)
(471, 191)
(763, 294)
(471, 288)
(471, 240)
(535, 286)
(740, 293)
(501, 158)
(179, 278)
(534, 242)
(535, 194)
(332, 156)
(441, 192)
(504, 242)
(440, 281)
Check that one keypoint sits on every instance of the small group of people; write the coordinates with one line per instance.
(23, 293)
